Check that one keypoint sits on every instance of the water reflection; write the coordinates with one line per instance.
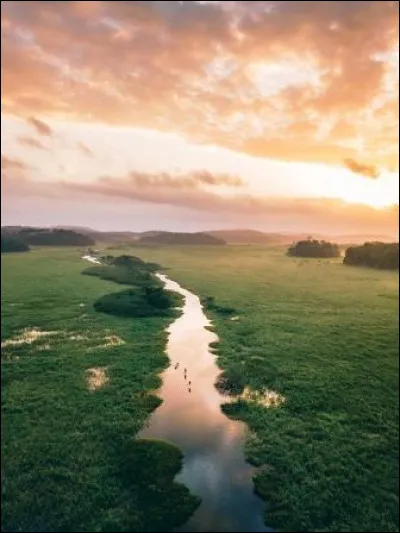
(190, 417)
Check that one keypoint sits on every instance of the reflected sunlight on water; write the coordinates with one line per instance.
(191, 418)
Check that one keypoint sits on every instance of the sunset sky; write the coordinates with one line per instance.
(186, 116)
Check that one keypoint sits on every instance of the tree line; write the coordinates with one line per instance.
(20, 240)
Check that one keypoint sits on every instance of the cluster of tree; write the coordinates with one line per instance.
(181, 238)
(314, 248)
(374, 254)
(10, 243)
(49, 236)
(138, 302)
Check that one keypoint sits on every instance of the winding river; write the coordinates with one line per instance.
(191, 418)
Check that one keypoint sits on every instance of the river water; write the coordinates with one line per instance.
(191, 418)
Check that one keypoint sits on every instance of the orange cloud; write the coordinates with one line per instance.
(188, 193)
(261, 77)
(369, 171)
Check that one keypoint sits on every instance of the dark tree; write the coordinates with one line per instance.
(314, 248)
(374, 254)
(10, 243)
(55, 237)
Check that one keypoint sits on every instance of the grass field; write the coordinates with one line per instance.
(323, 335)
(69, 461)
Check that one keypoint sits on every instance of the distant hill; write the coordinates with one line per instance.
(251, 236)
(106, 236)
(162, 238)
(245, 236)
(361, 239)
(229, 236)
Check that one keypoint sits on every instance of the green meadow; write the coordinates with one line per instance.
(325, 336)
(73, 400)
(322, 335)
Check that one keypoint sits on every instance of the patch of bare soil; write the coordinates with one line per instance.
(27, 336)
(96, 378)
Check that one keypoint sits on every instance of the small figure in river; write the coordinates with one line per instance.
(189, 389)
(176, 366)
(189, 383)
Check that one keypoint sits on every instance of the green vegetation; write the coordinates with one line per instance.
(314, 248)
(125, 270)
(374, 254)
(231, 381)
(9, 243)
(210, 304)
(50, 237)
(147, 298)
(326, 338)
(69, 458)
(166, 237)
(138, 302)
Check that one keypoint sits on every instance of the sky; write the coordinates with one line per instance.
(188, 116)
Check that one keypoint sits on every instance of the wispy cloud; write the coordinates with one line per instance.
(32, 142)
(41, 127)
(8, 163)
(187, 193)
(85, 149)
